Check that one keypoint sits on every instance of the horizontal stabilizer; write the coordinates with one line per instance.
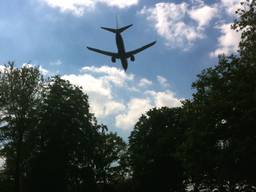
(124, 28)
(109, 29)
(116, 30)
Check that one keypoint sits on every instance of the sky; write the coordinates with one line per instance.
(53, 34)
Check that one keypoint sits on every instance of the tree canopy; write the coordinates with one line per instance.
(153, 151)
(50, 140)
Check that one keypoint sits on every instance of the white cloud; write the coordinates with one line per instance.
(27, 65)
(203, 15)
(104, 107)
(106, 87)
(41, 69)
(180, 24)
(56, 63)
(120, 3)
(2, 68)
(136, 107)
(111, 74)
(167, 98)
(114, 107)
(230, 6)
(228, 42)
(90, 84)
(121, 96)
(98, 84)
(144, 82)
(163, 81)
(79, 7)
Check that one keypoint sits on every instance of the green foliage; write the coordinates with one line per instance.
(221, 131)
(49, 138)
(153, 151)
(67, 135)
(222, 113)
(51, 141)
(246, 23)
(217, 147)
(111, 149)
(19, 101)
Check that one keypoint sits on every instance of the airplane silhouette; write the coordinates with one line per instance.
(121, 54)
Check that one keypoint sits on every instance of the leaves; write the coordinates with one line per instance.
(154, 150)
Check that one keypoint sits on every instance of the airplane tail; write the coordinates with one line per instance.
(120, 30)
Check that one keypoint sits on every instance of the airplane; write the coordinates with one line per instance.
(121, 53)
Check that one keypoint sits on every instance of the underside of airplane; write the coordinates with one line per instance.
(121, 54)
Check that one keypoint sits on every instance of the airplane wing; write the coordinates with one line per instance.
(130, 53)
(104, 52)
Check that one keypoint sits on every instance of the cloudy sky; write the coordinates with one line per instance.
(53, 34)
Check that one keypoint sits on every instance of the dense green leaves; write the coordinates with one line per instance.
(49, 138)
(111, 150)
(51, 141)
(222, 115)
(246, 23)
(216, 129)
(67, 135)
(153, 151)
(19, 101)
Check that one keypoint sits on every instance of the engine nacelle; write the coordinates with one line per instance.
(132, 58)
(113, 59)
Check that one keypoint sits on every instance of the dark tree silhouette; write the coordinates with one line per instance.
(222, 114)
(19, 100)
(68, 137)
(110, 169)
(111, 149)
(153, 151)
(51, 141)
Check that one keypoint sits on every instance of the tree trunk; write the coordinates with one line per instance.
(17, 176)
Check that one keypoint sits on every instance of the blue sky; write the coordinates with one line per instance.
(53, 34)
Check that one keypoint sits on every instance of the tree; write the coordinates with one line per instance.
(49, 138)
(154, 144)
(67, 141)
(19, 101)
(110, 151)
(246, 23)
(222, 115)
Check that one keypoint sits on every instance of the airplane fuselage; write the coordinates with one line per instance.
(121, 50)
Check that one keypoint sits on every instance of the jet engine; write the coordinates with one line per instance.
(132, 58)
(113, 59)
